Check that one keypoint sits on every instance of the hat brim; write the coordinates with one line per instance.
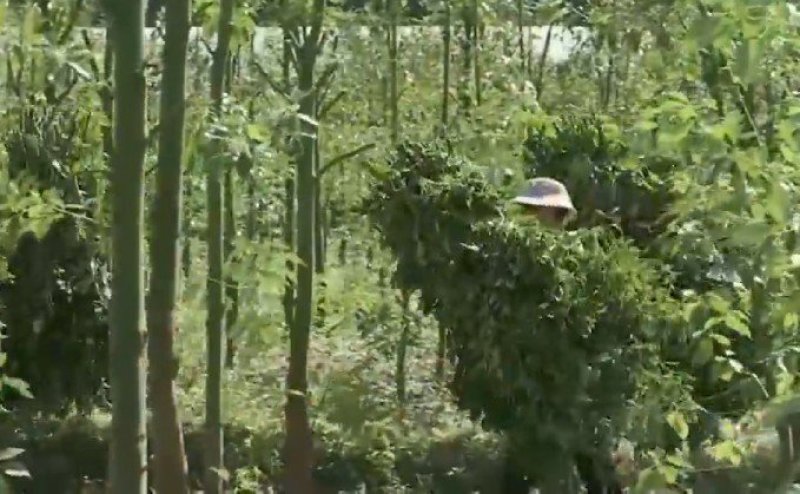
(555, 202)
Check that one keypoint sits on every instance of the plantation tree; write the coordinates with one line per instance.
(128, 460)
(229, 240)
(290, 195)
(306, 44)
(391, 37)
(441, 347)
(446, 66)
(215, 323)
(169, 466)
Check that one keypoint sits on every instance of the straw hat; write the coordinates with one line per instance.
(546, 192)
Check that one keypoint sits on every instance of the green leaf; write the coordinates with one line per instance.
(719, 304)
(706, 28)
(778, 202)
(727, 451)
(737, 324)
(750, 234)
(721, 340)
(18, 385)
(677, 421)
(649, 480)
(255, 133)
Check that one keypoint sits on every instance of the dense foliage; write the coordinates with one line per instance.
(550, 332)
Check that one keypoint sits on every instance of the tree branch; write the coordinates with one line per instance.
(272, 82)
(342, 157)
(325, 107)
(324, 81)
(316, 23)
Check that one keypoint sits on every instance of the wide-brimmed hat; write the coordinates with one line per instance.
(546, 192)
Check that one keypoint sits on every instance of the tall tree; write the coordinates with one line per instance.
(230, 233)
(290, 198)
(299, 458)
(169, 466)
(446, 65)
(394, 116)
(477, 36)
(215, 324)
(441, 344)
(128, 455)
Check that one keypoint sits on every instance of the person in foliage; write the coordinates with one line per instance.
(548, 200)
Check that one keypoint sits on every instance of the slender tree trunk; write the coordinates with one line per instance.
(467, 47)
(229, 236)
(231, 286)
(402, 349)
(107, 93)
(215, 324)
(392, 48)
(169, 466)
(446, 66)
(128, 455)
(319, 213)
(186, 255)
(543, 61)
(476, 52)
(441, 350)
(609, 80)
(299, 443)
(289, 203)
(521, 36)
(445, 114)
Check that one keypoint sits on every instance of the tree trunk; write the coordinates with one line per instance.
(231, 286)
(542, 61)
(289, 204)
(107, 93)
(215, 325)
(445, 98)
(319, 213)
(441, 351)
(169, 466)
(393, 96)
(402, 349)
(299, 445)
(467, 48)
(521, 36)
(445, 66)
(229, 237)
(476, 52)
(128, 455)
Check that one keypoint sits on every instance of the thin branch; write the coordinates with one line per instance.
(326, 106)
(324, 81)
(207, 46)
(342, 157)
(272, 82)
(316, 23)
(92, 62)
(294, 45)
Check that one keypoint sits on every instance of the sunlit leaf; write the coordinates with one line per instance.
(677, 421)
